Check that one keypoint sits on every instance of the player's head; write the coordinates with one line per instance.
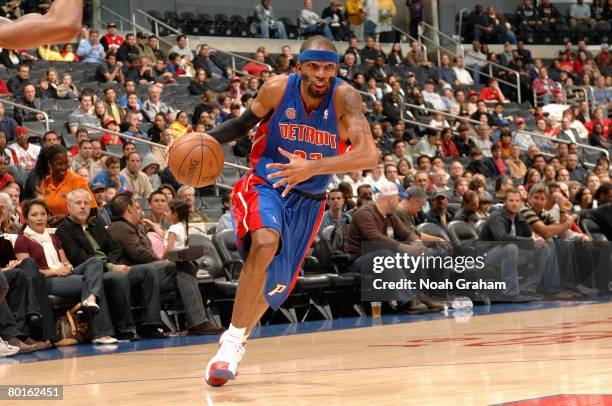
(318, 65)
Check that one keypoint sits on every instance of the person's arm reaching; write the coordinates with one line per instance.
(354, 126)
(61, 24)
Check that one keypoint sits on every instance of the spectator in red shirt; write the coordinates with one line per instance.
(108, 138)
(111, 41)
(448, 147)
(599, 117)
(565, 63)
(603, 58)
(3, 87)
(5, 177)
(544, 87)
(492, 93)
(256, 68)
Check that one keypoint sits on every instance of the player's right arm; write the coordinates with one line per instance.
(61, 24)
(267, 99)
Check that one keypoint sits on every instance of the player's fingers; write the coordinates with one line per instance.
(286, 154)
(279, 174)
(287, 189)
(277, 166)
(280, 183)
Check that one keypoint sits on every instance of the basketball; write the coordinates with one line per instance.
(196, 159)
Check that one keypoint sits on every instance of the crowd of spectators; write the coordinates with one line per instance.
(461, 149)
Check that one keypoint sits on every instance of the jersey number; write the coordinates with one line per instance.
(313, 155)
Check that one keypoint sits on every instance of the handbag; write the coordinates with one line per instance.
(72, 328)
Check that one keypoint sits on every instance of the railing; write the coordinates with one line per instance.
(21, 106)
(533, 134)
(458, 45)
(410, 37)
(132, 23)
(461, 23)
(153, 144)
(177, 32)
(366, 94)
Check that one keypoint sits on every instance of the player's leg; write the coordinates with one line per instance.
(248, 307)
(264, 243)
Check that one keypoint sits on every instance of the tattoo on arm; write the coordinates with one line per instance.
(357, 125)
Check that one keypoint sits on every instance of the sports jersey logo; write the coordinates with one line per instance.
(278, 289)
(305, 133)
(290, 113)
(325, 115)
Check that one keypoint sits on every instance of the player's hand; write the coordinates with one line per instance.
(292, 173)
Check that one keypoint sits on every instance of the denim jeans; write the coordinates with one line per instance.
(277, 26)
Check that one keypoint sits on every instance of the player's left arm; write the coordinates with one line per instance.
(61, 24)
(361, 155)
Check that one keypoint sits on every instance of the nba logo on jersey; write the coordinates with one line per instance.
(325, 115)
(290, 113)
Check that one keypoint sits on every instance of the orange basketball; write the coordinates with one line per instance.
(196, 159)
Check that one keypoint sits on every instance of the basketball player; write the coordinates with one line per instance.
(60, 24)
(308, 119)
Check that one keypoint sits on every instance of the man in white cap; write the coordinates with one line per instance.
(377, 223)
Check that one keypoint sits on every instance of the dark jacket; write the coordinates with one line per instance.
(78, 248)
(135, 244)
(602, 216)
(492, 169)
(497, 227)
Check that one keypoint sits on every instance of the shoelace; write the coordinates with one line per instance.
(4, 343)
(230, 349)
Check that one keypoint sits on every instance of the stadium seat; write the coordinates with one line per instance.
(225, 241)
(223, 25)
(67, 105)
(240, 28)
(69, 140)
(461, 232)
(113, 149)
(433, 229)
(592, 229)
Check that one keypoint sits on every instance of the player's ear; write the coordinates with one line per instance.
(298, 68)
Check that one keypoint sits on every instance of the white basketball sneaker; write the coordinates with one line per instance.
(224, 365)
(7, 350)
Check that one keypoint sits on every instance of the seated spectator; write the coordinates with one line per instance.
(416, 57)
(445, 74)
(137, 182)
(83, 159)
(84, 240)
(128, 49)
(370, 223)
(176, 65)
(529, 22)
(7, 126)
(16, 84)
(150, 166)
(110, 70)
(225, 221)
(144, 48)
(59, 183)
(9, 216)
(334, 216)
(440, 214)
(429, 145)
(199, 83)
(187, 193)
(580, 14)
(111, 41)
(29, 100)
(181, 126)
(496, 166)
(133, 109)
(460, 186)
(22, 151)
(84, 282)
(311, 23)
(103, 216)
(255, 68)
(267, 21)
(26, 303)
(181, 48)
(544, 88)
(476, 60)
(137, 249)
(84, 114)
(154, 105)
(603, 58)
(111, 176)
(158, 203)
(10, 58)
(213, 66)
(492, 93)
(110, 138)
(90, 50)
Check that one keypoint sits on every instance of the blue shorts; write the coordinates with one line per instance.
(256, 204)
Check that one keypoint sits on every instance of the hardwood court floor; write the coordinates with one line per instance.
(488, 359)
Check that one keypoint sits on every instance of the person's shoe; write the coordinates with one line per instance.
(206, 328)
(586, 291)
(415, 306)
(92, 306)
(23, 347)
(104, 340)
(7, 350)
(224, 365)
(39, 345)
(152, 332)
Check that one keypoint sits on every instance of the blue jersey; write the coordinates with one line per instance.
(310, 136)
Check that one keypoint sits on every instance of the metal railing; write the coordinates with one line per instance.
(132, 23)
(459, 46)
(234, 56)
(21, 106)
(411, 38)
(533, 134)
(461, 23)
(365, 94)
(151, 143)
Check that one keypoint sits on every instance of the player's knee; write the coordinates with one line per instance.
(265, 241)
